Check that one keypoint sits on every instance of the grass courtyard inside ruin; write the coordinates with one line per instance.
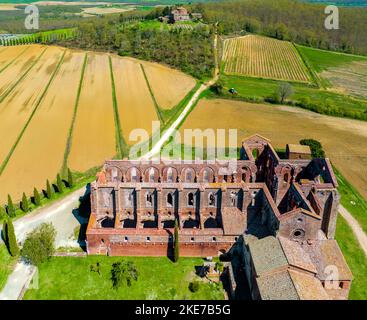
(159, 278)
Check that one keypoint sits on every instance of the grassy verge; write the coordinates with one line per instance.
(158, 278)
(156, 105)
(352, 200)
(70, 135)
(7, 263)
(6, 160)
(10, 89)
(122, 149)
(355, 258)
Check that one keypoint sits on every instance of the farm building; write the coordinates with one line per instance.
(279, 215)
(180, 14)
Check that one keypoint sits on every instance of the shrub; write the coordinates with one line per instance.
(39, 245)
(194, 286)
(10, 238)
(24, 204)
(315, 146)
(284, 91)
(123, 272)
(219, 266)
(36, 197)
(11, 208)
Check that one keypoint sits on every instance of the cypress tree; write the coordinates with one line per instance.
(36, 197)
(59, 183)
(11, 240)
(25, 204)
(49, 190)
(70, 179)
(11, 208)
(176, 252)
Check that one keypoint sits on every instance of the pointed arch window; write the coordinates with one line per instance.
(149, 199)
(169, 175)
(134, 175)
(206, 176)
(170, 200)
(151, 175)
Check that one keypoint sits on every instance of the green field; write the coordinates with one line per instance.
(260, 89)
(159, 278)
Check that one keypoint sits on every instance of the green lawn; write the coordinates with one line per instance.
(321, 60)
(355, 258)
(6, 265)
(159, 278)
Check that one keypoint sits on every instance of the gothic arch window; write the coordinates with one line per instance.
(149, 199)
(151, 175)
(114, 175)
(211, 199)
(129, 198)
(206, 175)
(189, 175)
(134, 175)
(169, 200)
(169, 175)
(190, 199)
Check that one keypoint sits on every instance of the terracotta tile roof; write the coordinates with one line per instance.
(267, 255)
(277, 286)
(307, 286)
(234, 221)
(298, 148)
(324, 253)
(296, 256)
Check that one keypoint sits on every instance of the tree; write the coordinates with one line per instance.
(217, 87)
(176, 249)
(11, 208)
(194, 286)
(49, 190)
(70, 179)
(10, 239)
(124, 271)
(284, 91)
(36, 197)
(60, 184)
(39, 246)
(24, 204)
(316, 148)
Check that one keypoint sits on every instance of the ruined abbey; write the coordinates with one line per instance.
(279, 215)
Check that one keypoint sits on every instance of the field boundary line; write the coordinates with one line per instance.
(120, 141)
(11, 62)
(40, 99)
(9, 90)
(76, 104)
(156, 105)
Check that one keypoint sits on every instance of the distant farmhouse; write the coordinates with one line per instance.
(277, 216)
(180, 14)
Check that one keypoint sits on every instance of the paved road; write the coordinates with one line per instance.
(357, 230)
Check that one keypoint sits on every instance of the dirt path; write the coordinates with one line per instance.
(357, 230)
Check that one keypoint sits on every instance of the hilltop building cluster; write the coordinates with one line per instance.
(180, 14)
(277, 215)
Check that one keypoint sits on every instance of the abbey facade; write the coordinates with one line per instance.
(134, 204)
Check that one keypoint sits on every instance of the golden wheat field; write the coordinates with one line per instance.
(344, 140)
(263, 57)
(40, 107)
